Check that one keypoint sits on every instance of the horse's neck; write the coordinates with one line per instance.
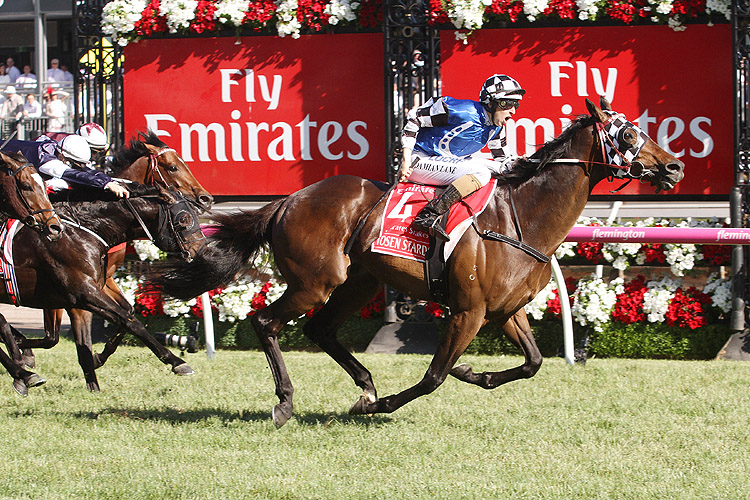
(112, 220)
(553, 200)
(10, 204)
(136, 171)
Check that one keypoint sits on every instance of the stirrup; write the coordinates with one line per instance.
(431, 224)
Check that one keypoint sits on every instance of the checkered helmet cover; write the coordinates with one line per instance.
(622, 150)
(498, 87)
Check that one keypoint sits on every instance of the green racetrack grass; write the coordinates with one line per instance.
(613, 429)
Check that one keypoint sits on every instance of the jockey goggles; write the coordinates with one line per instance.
(506, 104)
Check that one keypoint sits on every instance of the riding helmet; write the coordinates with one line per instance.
(499, 87)
(94, 135)
(74, 147)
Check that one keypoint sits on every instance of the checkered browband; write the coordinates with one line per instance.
(618, 151)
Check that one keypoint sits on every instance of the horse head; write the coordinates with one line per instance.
(148, 160)
(179, 229)
(631, 154)
(26, 196)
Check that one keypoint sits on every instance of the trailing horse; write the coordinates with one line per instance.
(310, 231)
(70, 273)
(146, 160)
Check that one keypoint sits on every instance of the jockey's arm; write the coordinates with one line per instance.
(58, 169)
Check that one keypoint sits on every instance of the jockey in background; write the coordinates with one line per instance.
(441, 136)
(95, 136)
(65, 163)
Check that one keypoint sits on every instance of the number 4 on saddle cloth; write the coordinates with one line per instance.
(398, 237)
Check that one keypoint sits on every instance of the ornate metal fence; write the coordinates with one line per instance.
(97, 72)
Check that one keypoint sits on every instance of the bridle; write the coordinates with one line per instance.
(153, 170)
(178, 222)
(30, 220)
(618, 153)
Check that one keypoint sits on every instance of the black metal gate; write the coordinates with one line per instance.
(98, 72)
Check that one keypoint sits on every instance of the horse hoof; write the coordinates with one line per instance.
(362, 406)
(183, 369)
(34, 380)
(29, 362)
(92, 386)
(280, 415)
(20, 387)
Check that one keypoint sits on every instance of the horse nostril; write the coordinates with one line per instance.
(206, 200)
(55, 229)
(675, 166)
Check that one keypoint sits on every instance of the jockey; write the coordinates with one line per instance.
(441, 136)
(94, 134)
(65, 163)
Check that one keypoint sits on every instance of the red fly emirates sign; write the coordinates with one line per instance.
(262, 115)
(675, 85)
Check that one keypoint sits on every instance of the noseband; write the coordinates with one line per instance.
(153, 171)
(30, 220)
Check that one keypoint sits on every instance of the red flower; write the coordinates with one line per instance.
(554, 308)
(258, 13)
(629, 305)
(197, 309)
(204, 17)
(510, 8)
(149, 302)
(375, 306)
(565, 9)
(434, 310)
(654, 252)
(591, 251)
(686, 310)
(717, 255)
(151, 22)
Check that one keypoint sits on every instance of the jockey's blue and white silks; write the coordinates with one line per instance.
(444, 133)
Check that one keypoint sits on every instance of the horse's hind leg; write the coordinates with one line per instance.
(345, 300)
(518, 331)
(22, 378)
(80, 325)
(461, 330)
(52, 322)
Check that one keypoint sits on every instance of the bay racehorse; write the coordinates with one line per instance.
(24, 197)
(70, 273)
(308, 233)
(146, 160)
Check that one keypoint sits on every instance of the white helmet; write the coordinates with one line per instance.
(94, 135)
(74, 147)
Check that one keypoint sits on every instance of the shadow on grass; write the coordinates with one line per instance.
(175, 415)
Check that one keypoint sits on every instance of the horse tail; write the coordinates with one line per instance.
(233, 242)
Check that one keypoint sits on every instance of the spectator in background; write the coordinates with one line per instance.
(32, 108)
(56, 110)
(54, 73)
(67, 75)
(27, 80)
(12, 108)
(11, 70)
(4, 79)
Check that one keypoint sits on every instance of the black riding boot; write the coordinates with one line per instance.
(428, 218)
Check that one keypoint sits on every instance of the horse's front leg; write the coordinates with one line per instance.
(80, 326)
(461, 330)
(113, 291)
(518, 331)
(22, 378)
(97, 302)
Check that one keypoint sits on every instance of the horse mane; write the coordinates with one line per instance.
(127, 155)
(17, 156)
(556, 148)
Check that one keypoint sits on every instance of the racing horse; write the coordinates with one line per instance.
(23, 197)
(146, 160)
(310, 231)
(70, 273)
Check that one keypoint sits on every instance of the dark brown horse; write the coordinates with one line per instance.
(24, 197)
(70, 273)
(146, 160)
(487, 280)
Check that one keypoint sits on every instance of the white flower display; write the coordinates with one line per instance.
(467, 14)
(681, 257)
(231, 11)
(567, 249)
(720, 291)
(287, 24)
(656, 299)
(119, 18)
(533, 8)
(128, 285)
(174, 307)
(538, 305)
(179, 13)
(147, 250)
(587, 9)
(593, 302)
(341, 10)
(723, 7)
(619, 253)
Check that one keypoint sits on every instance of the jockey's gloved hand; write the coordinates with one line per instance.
(117, 188)
(406, 166)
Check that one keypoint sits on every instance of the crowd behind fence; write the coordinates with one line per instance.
(29, 128)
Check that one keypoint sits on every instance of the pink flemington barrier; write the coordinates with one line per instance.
(695, 235)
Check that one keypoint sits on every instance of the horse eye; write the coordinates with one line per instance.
(630, 136)
(172, 168)
(27, 187)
